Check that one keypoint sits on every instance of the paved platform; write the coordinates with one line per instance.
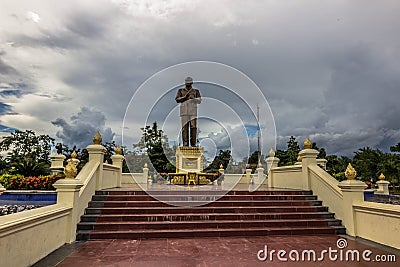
(230, 251)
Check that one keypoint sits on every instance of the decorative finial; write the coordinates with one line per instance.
(299, 158)
(350, 172)
(97, 138)
(118, 150)
(145, 165)
(307, 143)
(70, 170)
(271, 153)
(381, 177)
(73, 154)
(221, 166)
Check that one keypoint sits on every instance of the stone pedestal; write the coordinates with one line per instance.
(248, 176)
(68, 194)
(117, 160)
(259, 178)
(308, 157)
(57, 163)
(353, 192)
(272, 162)
(96, 153)
(383, 187)
(189, 159)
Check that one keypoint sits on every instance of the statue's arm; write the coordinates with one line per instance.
(198, 97)
(179, 98)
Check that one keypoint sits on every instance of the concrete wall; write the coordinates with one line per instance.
(110, 176)
(285, 177)
(378, 222)
(29, 236)
(326, 188)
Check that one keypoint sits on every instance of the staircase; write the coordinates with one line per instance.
(136, 215)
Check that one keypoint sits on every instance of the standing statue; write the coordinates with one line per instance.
(189, 97)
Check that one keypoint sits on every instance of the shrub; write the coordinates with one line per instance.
(19, 182)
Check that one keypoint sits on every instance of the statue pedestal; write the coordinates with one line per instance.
(189, 159)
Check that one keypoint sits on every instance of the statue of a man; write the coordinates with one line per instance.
(189, 97)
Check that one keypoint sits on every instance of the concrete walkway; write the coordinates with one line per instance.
(230, 251)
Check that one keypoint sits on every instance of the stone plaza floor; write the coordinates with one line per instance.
(229, 251)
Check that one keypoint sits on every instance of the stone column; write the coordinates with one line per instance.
(146, 178)
(118, 160)
(57, 163)
(353, 192)
(308, 157)
(259, 178)
(96, 153)
(248, 176)
(68, 194)
(221, 175)
(272, 162)
(383, 186)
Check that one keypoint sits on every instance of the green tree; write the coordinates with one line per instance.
(389, 165)
(395, 148)
(155, 144)
(336, 166)
(366, 161)
(223, 157)
(289, 156)
(21, 144)
(27, 152)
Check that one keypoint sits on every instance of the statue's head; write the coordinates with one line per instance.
(188, 81)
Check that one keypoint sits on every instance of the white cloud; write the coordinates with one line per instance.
(33, 16)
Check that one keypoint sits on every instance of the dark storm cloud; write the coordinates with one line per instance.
(82, 127)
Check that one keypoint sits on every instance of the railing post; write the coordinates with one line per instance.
(96, 153)
(68, 194)
(248, 176)
(146, 175)
(383, 186)
(308, 157)
(57, 163)
(118, 160)
(260, 175)
(272, 162)
(353, 192)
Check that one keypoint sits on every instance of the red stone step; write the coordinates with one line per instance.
(200, 197)
(210, 216)
(202, 224)
(135, 214)
(191, 233)
(173, 210)
(220, 203)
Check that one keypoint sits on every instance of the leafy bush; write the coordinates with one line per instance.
(19, 182)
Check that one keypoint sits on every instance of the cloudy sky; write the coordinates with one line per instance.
(328, 69)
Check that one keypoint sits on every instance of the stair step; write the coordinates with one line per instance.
(220, 224)
(185, 233)
(167, 198)
(197, 213)
(154, 203)
(173, 210)
(203, 192)
(210, 216)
